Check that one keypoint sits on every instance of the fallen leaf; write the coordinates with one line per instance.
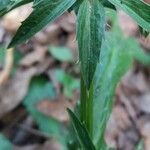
(13, 19)
(56, 108)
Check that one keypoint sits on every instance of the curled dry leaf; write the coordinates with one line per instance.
(12, 93)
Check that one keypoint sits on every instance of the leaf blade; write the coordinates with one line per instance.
(8, 5)
(115, 60)
(81, 131)
(137, 9)
(46, 11)
(91, 22)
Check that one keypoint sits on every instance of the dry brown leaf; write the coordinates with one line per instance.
(67, 22)
(56, 108)
(34, 57)
(128, 25)
(147, 1)
(13, 19)
(13, 92)
(48, 145)
(143, 102)
(135, 83)
(144, 127)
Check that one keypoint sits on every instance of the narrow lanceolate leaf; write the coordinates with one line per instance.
(137, 9)
(8, 5)
(36, 2)
(76, 6)
(108, 4)
(44, 12)
(91, 26)
(115, 60)
(82, 133)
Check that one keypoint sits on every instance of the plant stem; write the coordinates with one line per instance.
(86, 107)
(89, 111)
(83, 101)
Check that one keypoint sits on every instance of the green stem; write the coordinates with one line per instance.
(86, 107)
(83, 101)
(89, 111)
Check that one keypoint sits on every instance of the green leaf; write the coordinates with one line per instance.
(44, 12)
(3, 4)
(76, 6)
(137, 9)
(115, 60)
(81, 132)
(37, 1)
(5, 144)
(39, 90)
(2, 55)
(91, 26)
(61, 53)
(8, 5)
(108, 5)
(140, 145)
(69, 82)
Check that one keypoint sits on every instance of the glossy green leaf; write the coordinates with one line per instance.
(91, 26)
(137, 9)
(76, 6)
(81, 132)
(37, 1)
(3, 4)
(115, 60)
(61, 53)
(108, 4)
(40, 89)
(44, 12)
(8, 5)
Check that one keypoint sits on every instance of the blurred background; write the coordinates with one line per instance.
(40, 79)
